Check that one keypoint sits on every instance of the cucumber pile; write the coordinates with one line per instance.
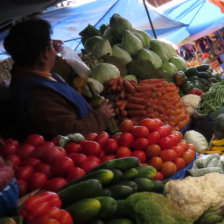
(200, 77)
(98, 197)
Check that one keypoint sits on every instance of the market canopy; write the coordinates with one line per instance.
(68, 22)
(200, 16)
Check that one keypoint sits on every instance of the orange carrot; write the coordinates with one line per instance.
(128, 86)
(138, 100)
(135, 106)
(137, 113)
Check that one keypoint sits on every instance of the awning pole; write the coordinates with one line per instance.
(150, 21)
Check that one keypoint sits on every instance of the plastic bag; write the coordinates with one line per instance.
(75, 61)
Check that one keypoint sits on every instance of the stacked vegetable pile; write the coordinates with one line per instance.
(196, 80)
(131, 50)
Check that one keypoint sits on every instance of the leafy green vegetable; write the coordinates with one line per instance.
(179, 62)
(121, 53)
(89, 31)
(92, 41)
(169, 70)
(102, 48)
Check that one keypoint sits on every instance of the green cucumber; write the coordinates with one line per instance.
(146, 171)
(117, 175)
(105, 176)
(123, 209)
(121, 164)
(129, 183)
(105, 192)
(203, 67)
(95, 221)
(191, 71)
(205, 75)
(144, 184)
(120, 191)
(158, 186)
(130, 173)
(108, 206)
(79, 191)
(84, 210)
(120, 221)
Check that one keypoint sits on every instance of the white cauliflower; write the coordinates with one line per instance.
(190, 102)
(194, 195)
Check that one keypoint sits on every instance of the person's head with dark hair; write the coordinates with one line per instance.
(29, 44)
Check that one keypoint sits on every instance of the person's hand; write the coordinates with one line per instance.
(57, 44)
(107, 109)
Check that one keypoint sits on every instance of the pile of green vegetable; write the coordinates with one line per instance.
(131, 50)
(101, 193)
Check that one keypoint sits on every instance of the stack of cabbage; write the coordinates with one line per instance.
(131, 50)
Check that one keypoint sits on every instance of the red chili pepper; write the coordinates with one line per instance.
(196, 91)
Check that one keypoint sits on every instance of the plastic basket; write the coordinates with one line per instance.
(9, 198)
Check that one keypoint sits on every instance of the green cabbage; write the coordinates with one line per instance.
(104, 72)
(169, 70)
(121, 53)
(101, 48)
(179, 62)
(150, 56)
(130, 77)
(143, 36)
(91, 41)
(130, 42)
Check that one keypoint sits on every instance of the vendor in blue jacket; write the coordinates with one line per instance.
(44, 103)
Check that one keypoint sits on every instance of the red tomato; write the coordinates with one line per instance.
(151, 124)
(123, 152)
(166, 143)
(94, 158)
(25, 150)
(174, 139)
(16, 161)
(140, 155)
(8, 149)
(126, 125)
(102, 138)
(178, 134)
(75, 173)
(34, 139)
(11, 141)
(31, 161)
(168, 168)
(117, 136)
(91, 136)
(78, 158)
(183, 144)
(192, 147)
(140, 143)
(44, 168)
(159, 176)
(40, 150)
(168, 155)
(91, 147)
(153, 150)
(62, 166)
(23, 187)
(156, 162)
(62, 150)
(140, 131)
(53, 154)
(88, 164)
(110, 146)
(24, 172)
(126, 139)
(55, 140)
(102, 153)
(153, 137)
(179, 150)
(188, 156)
(165, 130)
(55, 184)
(180, 163)
(37, 181)
(107, 158)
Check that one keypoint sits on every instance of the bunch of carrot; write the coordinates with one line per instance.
(156, 98)
(118, 91)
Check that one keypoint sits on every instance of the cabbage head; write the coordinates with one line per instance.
(91, 41)
(131, 77)
(143, 36)
(179, 62)
(104, 72)
(169, 70)
(121, 53)
(101, 48)
(150, 56)
(130, 42)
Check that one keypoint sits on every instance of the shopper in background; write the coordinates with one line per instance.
(43, 102)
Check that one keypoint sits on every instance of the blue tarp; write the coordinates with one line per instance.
(201, 17)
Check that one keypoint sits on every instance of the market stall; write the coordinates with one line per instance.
(150, 166)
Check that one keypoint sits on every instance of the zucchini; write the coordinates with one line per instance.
(191, 71)
(130, 173)
(79, 191)
(117, 175)
(146, 171)
(144, 184)
(124, 209)
(104, 176)
(158, 186)
(120, 221)
(84, 210)
(120, 191)
(129, 183)
(121, 164)
(108, 206)
(203, 67)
